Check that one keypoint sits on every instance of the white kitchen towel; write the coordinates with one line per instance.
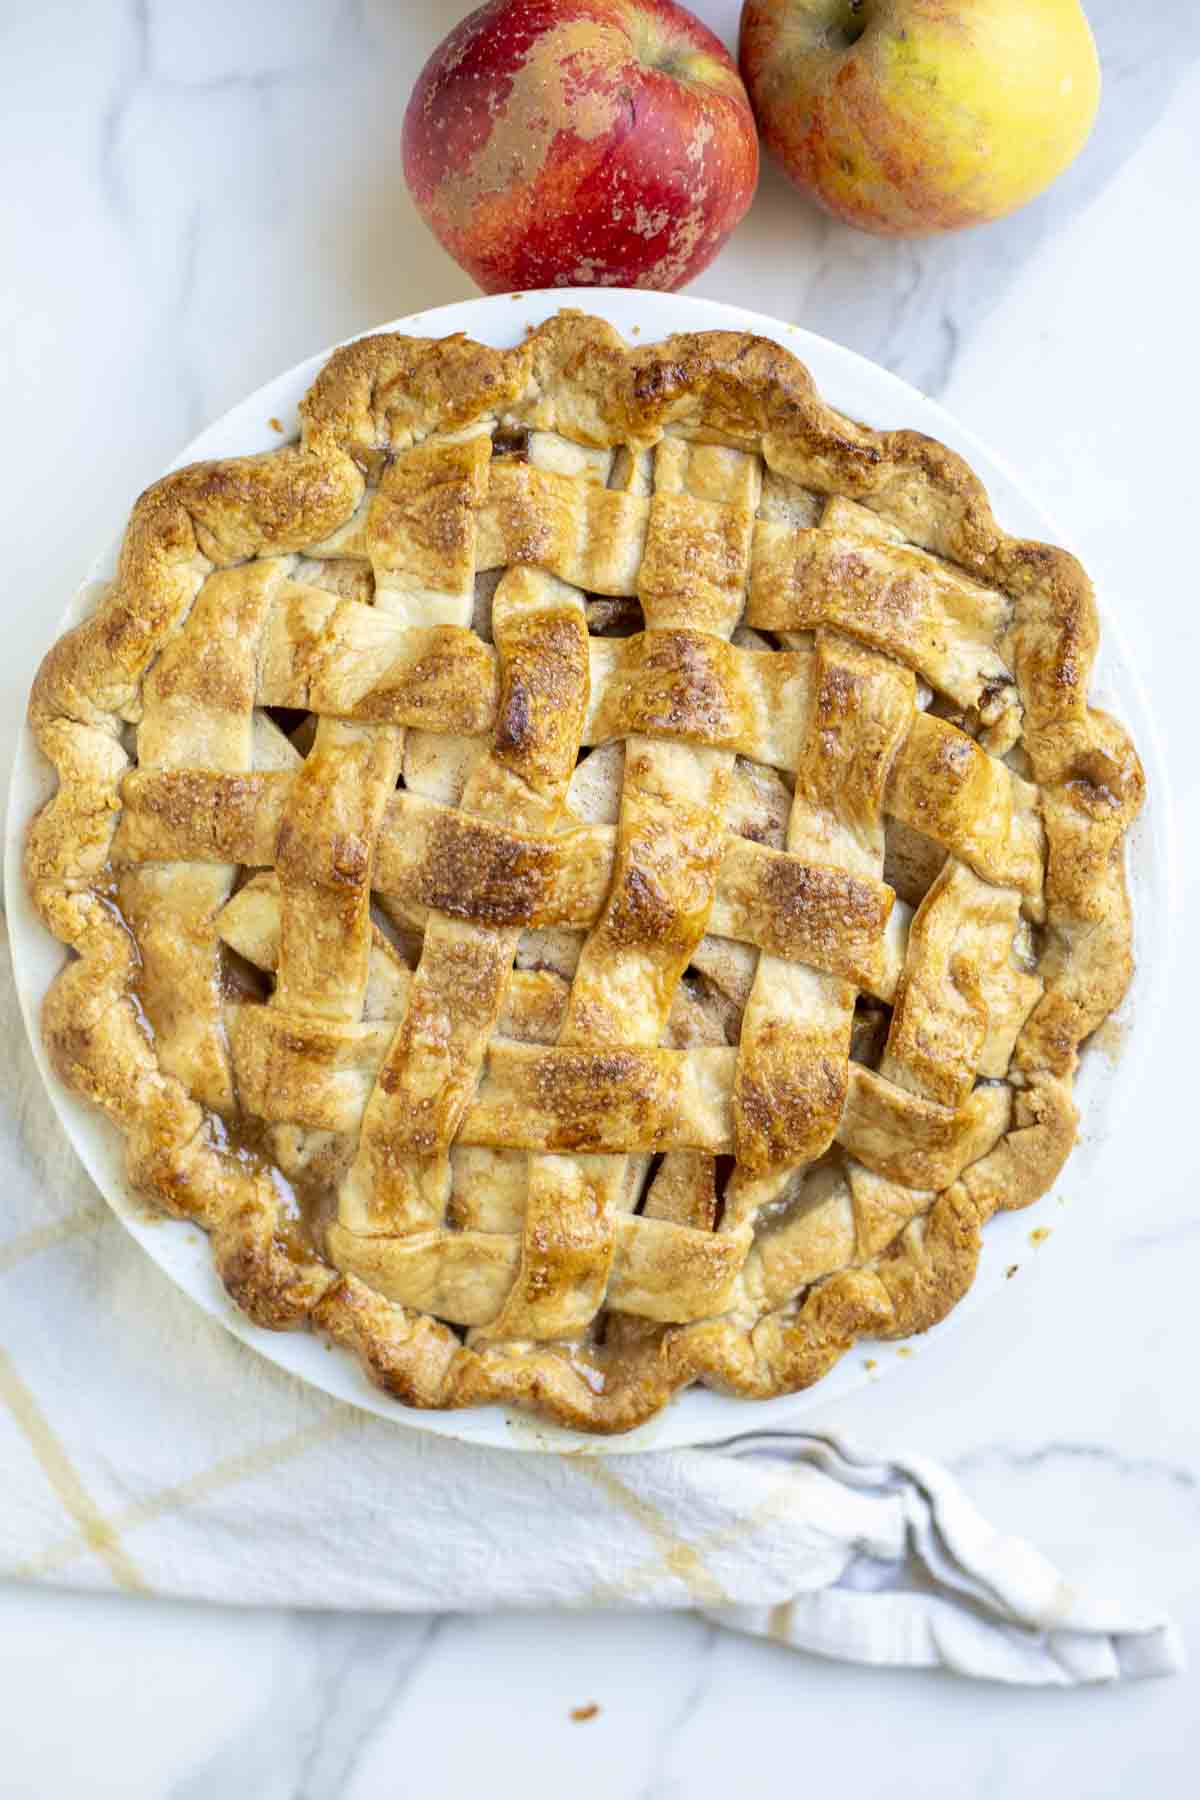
(143, 1447)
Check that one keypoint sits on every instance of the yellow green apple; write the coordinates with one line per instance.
(908, 117)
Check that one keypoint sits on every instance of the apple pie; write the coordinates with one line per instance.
(587, 873)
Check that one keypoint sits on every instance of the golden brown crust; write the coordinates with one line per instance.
(908, 576)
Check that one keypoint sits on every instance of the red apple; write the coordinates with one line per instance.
(553, 143)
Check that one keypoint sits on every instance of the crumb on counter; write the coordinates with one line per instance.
(275, 426)
(1011, 1271)
(906, 1350)
(1039, 1234)
(581, 1714)
(870, 1363)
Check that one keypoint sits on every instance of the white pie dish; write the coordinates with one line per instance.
(865, 392)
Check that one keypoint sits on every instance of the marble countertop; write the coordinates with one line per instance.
(197, 197)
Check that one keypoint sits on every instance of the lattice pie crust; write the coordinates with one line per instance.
(589, 873)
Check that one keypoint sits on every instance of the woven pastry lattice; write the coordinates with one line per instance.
(588, 873)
